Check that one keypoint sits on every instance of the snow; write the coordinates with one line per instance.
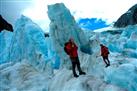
(31, 62)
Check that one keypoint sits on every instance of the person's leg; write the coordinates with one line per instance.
(104, 59)
(78, 66)
(73, 67)
(108, 60)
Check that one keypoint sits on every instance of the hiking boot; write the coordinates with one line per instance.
(107, 65)
(76, 75)
(82, 73)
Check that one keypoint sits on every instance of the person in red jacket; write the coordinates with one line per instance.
(71, 49)
(104, 54)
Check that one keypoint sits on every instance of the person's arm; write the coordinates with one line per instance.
(75, 46)
(101, 51)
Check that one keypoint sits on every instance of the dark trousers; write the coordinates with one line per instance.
(106, 60)
(75, 62)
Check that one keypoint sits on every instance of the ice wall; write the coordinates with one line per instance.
(25, 62)
(63, 27)
(5, 42)
(26, 42)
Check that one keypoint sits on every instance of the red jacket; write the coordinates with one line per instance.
(71, 49)
(104, 51)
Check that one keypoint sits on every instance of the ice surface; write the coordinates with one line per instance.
(66, 82)
(23, 77)
(27, 58)
(5, 42)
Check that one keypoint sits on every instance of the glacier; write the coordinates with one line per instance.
(31, 62)
(62, 27)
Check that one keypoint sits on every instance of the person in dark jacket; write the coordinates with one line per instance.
(71, 49)
(104, 54)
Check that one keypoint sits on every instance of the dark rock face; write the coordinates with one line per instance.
(128, 18)
(5, 25)
(135, 16)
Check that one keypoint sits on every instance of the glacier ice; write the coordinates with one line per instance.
(83, 83)
(31, 62)
(23, 77)
(24, 58)
(27, 42)
(63, 27)
(93, 64)
(5, 42)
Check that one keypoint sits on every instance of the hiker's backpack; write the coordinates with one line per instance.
(107, 50)
(65, 49)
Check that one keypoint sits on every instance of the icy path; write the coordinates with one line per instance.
(64, 81)
(22, 77)
(120, 76)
